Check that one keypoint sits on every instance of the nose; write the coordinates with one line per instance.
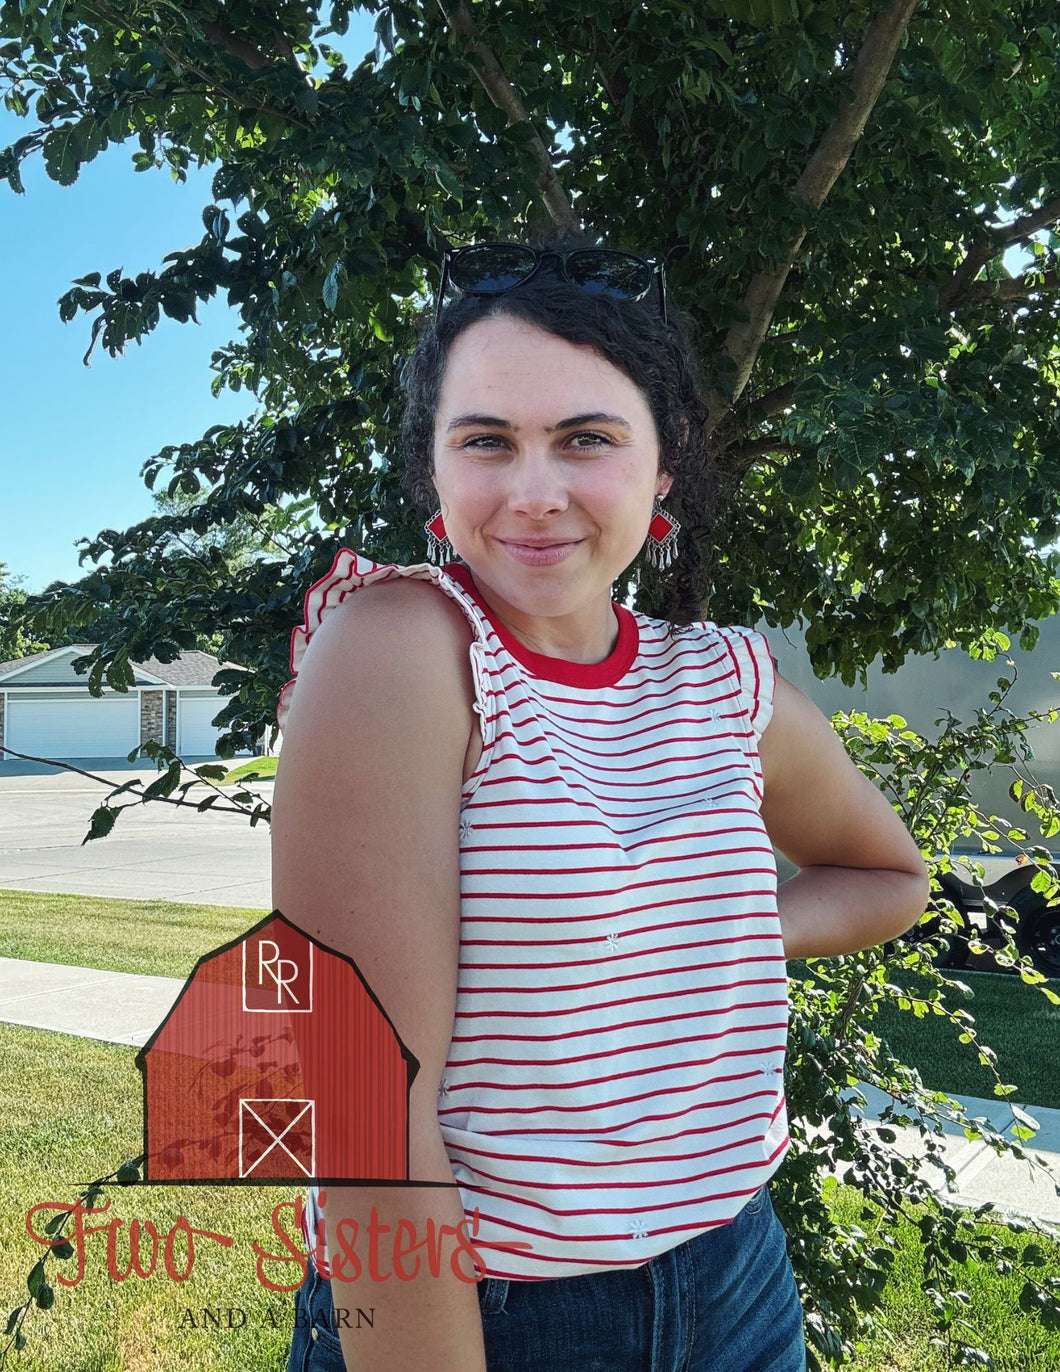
(536, 486)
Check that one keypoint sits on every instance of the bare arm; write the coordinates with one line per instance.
(862, 879)
(366, 858)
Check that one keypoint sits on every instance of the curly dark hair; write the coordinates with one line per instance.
(658, 358)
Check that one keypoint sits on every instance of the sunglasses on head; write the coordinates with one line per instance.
(492, 268)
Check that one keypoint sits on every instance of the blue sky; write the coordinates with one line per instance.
(74, 438)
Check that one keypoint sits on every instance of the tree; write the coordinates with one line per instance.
(15, 642)
(243, 541)
(191, 536)
(857, 202)
(834, 195)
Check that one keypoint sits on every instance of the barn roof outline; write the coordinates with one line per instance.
(234, 943)
(317, 947)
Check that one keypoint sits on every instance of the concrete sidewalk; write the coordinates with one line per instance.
(118, 1007)
(1015, 1186)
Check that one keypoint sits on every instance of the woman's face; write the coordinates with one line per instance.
(543, 440)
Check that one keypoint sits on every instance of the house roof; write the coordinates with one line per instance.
(188, 669)
(192, 668)
(22, 661)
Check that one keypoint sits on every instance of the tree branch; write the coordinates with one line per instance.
(769, 404)
(1030, 223)
(1015, 288)
(238, 47)
(955, 291)
(641, 130)
(739, 460)
(135, 786)
(504, 95)
(246, 52)
(819, 176)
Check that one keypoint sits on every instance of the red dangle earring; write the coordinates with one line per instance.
(439, 549)
(661, 548)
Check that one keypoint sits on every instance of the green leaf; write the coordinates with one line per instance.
(164, 784)
(63, 153)
(1024, 1118)
(849, 463)
(799, 477)
(719, 46)
(331, 286)
(449, 181)
(179, 305)
(103, 821)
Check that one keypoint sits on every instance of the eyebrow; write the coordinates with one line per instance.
(488, 421)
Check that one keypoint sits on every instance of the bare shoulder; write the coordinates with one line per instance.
(404, 641)
(403, 611)
(799, 748)
(793, 710)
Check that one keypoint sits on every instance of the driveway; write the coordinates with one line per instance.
(155, 850)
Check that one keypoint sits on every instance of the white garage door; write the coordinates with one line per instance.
(196, 736)
(105, 727)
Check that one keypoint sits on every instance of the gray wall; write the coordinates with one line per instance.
(924, 686)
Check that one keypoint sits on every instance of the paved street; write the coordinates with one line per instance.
(155, 851)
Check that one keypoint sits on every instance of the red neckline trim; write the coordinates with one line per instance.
(560, 669)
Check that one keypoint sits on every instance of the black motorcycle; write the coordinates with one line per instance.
(1035, 924)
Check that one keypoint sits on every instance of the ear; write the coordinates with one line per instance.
(663, 486)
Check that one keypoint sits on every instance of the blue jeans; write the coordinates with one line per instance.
(724, 1301)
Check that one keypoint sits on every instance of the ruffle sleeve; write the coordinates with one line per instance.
(756, 672)
(349, 572)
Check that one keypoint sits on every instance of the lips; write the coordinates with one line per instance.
(534, 543)
(541, 554)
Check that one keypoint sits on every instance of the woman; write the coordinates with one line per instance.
(542, 826)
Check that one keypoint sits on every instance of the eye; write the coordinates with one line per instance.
(594, 439)
(480, 440)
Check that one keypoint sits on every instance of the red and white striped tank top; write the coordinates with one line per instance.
(614, 1084)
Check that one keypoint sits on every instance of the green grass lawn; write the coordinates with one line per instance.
(1014, 1019)
(161, 938)
(1014, 1341)
(246, 771)
(72, 1112)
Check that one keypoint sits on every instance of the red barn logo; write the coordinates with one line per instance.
(276, 1064)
